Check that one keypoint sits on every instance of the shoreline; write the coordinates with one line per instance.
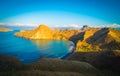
(71, 51)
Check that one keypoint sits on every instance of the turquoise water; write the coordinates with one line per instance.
(29, 51)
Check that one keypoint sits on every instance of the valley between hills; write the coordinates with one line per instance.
(97, 53)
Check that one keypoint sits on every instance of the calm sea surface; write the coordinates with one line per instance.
(29, 51)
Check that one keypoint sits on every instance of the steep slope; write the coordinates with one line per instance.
(41, 32)
(100, 39)
(90, 32)
(106, 38)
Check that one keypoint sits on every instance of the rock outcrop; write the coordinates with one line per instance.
(85, 27)
(4, 29)
(44, 32)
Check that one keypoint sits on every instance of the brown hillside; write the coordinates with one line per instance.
(41, 32)
(106, 38)
(11, 66)
(99, 39)
(44, 32)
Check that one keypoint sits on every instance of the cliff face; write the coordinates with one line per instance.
(44, 32)
(4, 29)
(99, 39)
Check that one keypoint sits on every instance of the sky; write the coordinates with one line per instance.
(59, 12)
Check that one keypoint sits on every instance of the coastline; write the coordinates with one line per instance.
(71, 51)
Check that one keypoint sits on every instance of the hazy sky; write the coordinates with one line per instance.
(60, 12)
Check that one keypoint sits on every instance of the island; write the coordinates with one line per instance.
(4, 29)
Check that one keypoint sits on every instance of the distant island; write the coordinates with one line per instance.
(86, 40)
(4, 29)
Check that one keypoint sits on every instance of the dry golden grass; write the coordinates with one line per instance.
(116, 52)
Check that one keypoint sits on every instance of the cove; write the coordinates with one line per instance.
(29, 51)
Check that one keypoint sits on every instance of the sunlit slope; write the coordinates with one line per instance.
(102, 39)
(41, 32)
(44, 32)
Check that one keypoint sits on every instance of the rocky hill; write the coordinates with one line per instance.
(44, 32)
(96, 39)
(90, 39)
(106, 38)
(41, 32)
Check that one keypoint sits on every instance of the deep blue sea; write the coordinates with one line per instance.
(118, 28)
(28, 51)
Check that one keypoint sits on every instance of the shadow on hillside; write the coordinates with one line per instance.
(102, 37)
(113, 45)
(98, 36)
(77, 37)
(11, 66)
(102, 60)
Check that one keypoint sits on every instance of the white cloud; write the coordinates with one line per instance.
(18, 24)
(69, 25)
(74, 25)
(114, 25)
(2, 23)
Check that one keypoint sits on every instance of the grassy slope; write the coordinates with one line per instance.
(10, 66)
(106, 61)
(95, 39)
